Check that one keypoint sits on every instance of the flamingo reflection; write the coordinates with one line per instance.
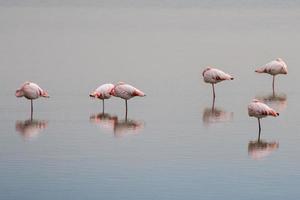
(127, 127)
(104, 120)
(30, 129)
(119, 127)
(215, 115)
(276, 101)
(260, 149)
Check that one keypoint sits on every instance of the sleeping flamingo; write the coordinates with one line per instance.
(213, 76)
(126, 92)
(31, 91)
(103, 92)
(260, 110)
(275, 67)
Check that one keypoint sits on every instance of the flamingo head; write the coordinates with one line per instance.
(19, 93)
(95, 94)
(284, 70)
(45, 94)
(205, 70)
(112, 92)
(138, 93)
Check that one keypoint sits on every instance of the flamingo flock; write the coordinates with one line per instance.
(125, 91)
(256, 108)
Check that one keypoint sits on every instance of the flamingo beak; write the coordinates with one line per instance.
(45, 94)
(95, 95)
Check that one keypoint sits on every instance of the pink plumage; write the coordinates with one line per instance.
(103, 91)
(260, 110)
(126, 91)
(31, 91)
(275, 67)
(213, 76)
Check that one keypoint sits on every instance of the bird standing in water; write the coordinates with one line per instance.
(275, 67)
(126, 92)
(103, 92)
(260, 110)
(31, 91)
(213, 76)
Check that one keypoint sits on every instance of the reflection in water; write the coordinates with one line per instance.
(260, 149)
(127, 127)
(118, 127)
(275, 101)
(30, 129)
(104, 120)
(215, 115)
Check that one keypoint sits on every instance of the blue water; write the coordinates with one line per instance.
(172, 146)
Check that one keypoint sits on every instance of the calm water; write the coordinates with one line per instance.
(173, 146)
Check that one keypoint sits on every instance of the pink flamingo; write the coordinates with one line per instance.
(275, 67)
(213, 76)
(31, 91)
(103, 92)
(126, 92)
(260, 110)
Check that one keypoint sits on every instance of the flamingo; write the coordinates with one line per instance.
(275, 67)
(31, 91)
(126, 92)
(260, 110)
(213, 76)
(103, 92)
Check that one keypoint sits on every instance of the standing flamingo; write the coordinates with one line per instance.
(103, 92)
(213, 76)
(277, 66)
(31, 91)
(126, 91)
(260, 110)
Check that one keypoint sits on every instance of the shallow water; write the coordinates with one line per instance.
(173, 146)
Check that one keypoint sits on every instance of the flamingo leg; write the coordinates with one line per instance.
(213, 87)
(126, 110)
(103, 106)
(213, 105)
(31, 110)
(273, 85)
(259, 128)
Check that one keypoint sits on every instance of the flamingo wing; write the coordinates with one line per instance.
(259, 109)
